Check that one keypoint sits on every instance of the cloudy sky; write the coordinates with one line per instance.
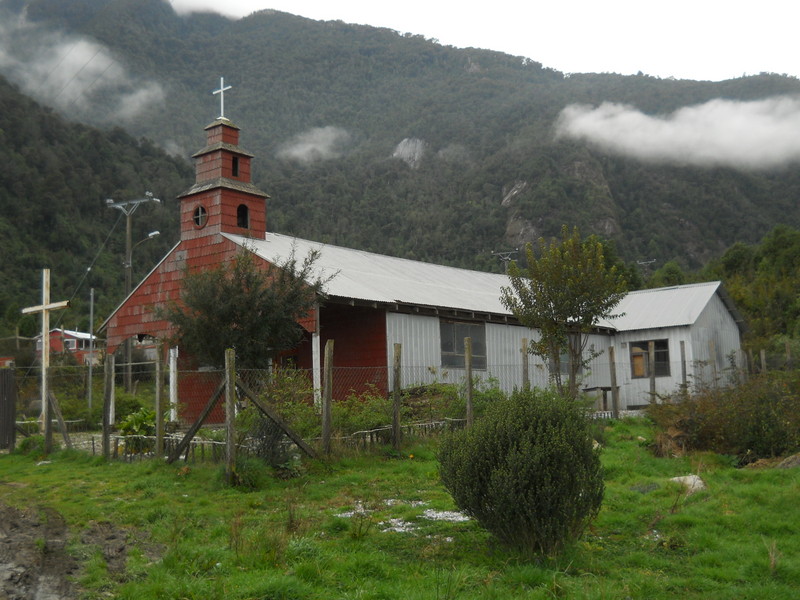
(688, 39)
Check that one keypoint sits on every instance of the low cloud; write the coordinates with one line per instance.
(75, 75)
(319, 143)
(187, 7)
(746, 135)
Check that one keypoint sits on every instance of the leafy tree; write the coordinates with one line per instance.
(527, 471)
(669, 274)
(563, 293)
(764, 282)
(245, 306)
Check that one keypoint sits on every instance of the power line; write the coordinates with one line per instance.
(89, 268)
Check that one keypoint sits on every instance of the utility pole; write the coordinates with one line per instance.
(128, 207)
(505, 257)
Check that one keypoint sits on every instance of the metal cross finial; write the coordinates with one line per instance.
(221, 91)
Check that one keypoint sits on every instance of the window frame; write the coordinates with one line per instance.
(451, 343)
(200, 216)
(639, 353)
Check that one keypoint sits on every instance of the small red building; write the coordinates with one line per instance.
(77, 343)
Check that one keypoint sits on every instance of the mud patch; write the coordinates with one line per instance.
(34, 563)
(112, 542)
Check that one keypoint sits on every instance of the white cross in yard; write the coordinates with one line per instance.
(45, 307)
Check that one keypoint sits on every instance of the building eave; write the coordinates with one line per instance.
(224, 182)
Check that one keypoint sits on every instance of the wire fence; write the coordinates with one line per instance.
(433, 398)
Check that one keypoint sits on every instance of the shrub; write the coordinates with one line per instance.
(527, 471)
(757, 419)
(137, 427)
(361, 412)
(291, 393)
(34, 446)
(250, 474)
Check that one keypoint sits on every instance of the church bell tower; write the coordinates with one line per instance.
(223, 199)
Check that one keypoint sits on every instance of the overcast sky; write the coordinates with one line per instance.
(686, 39)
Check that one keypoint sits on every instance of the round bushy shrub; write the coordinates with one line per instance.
(527, 471)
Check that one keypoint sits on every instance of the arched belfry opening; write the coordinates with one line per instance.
(243, 216)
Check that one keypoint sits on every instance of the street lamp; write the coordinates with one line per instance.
(128, 207)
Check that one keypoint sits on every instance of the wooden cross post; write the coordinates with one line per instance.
(45, 307)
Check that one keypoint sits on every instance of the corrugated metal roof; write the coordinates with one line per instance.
(663, 307)
(373, 277)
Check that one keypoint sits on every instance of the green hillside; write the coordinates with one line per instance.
(53, 185)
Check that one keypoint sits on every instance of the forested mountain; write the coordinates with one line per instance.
(363, 137)
(54, 180)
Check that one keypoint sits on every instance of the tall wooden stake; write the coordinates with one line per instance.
(230, 416)
(468, 368)
(396, 431)
(651, 360)
(684, 376)
(108, 399)
(159, 402)
(526, 382)
(614, 387)
(327, 398)
(712, 359)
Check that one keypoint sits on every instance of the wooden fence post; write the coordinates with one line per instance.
(159, 402)
(468, 368)
(684, 379)
(230, 416)
(614, 386)
(526, 381)
(396, 431)
(108, 395)
(173, 384)
(327, 398)
(651, 359)
(712, 359)
(8, 409)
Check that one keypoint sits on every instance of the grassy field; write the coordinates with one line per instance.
(380, 526)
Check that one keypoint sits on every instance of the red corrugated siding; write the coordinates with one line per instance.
(359, 351)
(137, 316)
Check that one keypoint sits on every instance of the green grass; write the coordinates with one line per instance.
(193, 538)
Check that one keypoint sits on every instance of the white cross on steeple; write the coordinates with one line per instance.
(221, 91)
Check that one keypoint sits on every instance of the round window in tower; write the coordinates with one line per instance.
(200, 216)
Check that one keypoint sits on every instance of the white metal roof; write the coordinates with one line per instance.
(81, 335)
(366, 276)
(663, 307)
(373, 277)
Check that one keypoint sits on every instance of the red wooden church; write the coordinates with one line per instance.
(374, 301)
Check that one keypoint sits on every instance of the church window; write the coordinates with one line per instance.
(200, 216)
(243, 216)
(235, 166)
